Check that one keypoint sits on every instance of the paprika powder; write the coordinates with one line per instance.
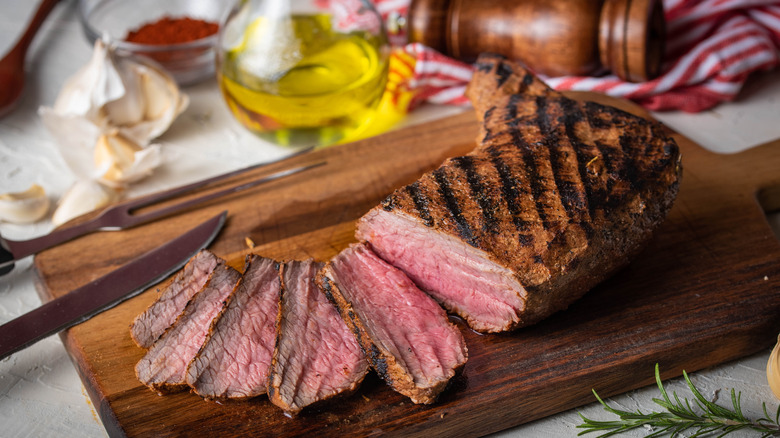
(169, 30)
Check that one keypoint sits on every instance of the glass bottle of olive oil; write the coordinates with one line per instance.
(302, 79)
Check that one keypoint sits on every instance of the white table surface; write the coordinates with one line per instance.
(40, 391)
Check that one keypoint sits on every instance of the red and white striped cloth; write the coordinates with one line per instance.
(712, 47)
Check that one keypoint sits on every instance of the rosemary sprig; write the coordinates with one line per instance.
(702, 416)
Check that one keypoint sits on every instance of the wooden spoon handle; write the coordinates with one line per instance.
(43, 11)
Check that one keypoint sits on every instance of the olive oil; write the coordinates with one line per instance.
(297, 82)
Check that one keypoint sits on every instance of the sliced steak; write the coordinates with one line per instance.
(149, 325)
(235, 358)
(557, 196)
(316, 357)
(164, 367)
(406, 336)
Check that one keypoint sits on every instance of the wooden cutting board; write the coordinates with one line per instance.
(705, 291)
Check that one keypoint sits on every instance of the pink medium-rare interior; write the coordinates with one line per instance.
(404, 320)
(318, 351)
(456, 274)
(167, 360)
(236, 359)
(161, 315)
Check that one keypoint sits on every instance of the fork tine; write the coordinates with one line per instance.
(154, 198)
(119, 216)
(134, 219)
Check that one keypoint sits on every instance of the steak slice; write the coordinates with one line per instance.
(236, 355)
(406, 336)
(557, 196)
(164, 366)
(148, 326)
(316, 357)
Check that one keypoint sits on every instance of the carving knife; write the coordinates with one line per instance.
(108, 291)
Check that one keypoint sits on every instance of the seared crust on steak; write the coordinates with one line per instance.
(558, 195)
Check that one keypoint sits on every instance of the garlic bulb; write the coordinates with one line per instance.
(107, 114)
(83, 197)
(104, 121)
(126, 93)
(24, 207)
(773, 369)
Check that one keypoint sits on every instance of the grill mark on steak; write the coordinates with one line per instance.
(387, 203)
(327, 286)
(453, 207)
(630, 169)
(510, 116)
(487, 133)
(595, 112)
(587, 154)
(483, 66)
(420, 203)
(528, 79)
(503, 73)
(578, 189)
(378, 362)
(549, 136)
(612, 167)
(636, 142)
(510, 193)
(535, 178)
(613, 158)
(479, 191)
(568, 182)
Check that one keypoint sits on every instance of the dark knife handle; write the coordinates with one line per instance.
(107, 291)
(13, 250)
(39, 323)
(75, 306)
(6, 258)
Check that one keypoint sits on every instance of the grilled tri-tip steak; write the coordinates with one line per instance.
(557, 196)
(164, 366)
(235, 357)
(148, 326)
(316, 357)
(406, 336)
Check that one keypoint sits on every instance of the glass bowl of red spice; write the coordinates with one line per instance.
(181, 35)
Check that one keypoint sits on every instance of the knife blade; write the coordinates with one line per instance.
(125, 282)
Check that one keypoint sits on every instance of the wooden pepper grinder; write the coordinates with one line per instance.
(552, 37)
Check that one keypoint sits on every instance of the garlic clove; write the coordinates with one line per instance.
(128, 108)
(119, 161)
(163, 102)
(91, 87)
(773, 369)
(24, 207)
(158, 94)
(81, 198)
